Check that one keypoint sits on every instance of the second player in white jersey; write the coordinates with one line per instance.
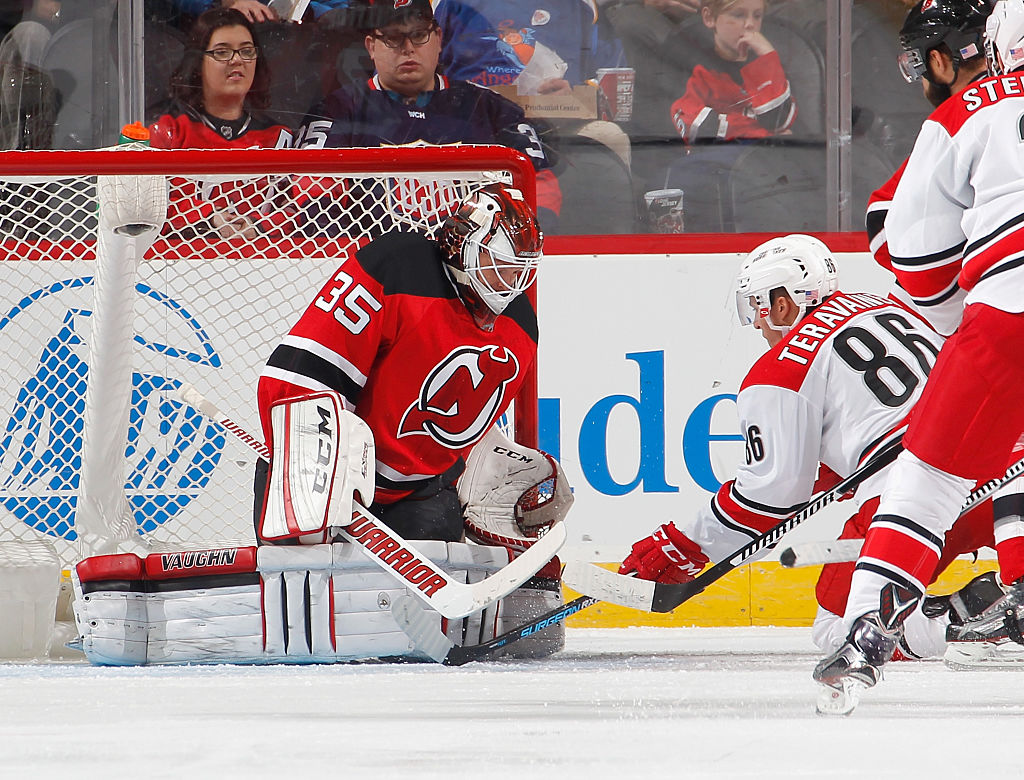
(842, 373)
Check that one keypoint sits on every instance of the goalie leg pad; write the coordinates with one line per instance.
(535, 597)
(323, 456)
(293, 604)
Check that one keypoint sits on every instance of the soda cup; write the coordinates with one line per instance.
(664, 211)
(617, 86)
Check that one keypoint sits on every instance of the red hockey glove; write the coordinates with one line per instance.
(665, 556)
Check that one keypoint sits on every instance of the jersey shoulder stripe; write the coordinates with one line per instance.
(787, 364)
(305, 363)
(406, 263)
(953, 113)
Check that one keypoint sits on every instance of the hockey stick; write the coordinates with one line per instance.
(662, 597)
(421, 627)
(845, 550)
(400, 559)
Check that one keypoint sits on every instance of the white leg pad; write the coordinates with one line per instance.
(296, 604)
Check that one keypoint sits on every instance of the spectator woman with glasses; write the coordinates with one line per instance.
(217, 96)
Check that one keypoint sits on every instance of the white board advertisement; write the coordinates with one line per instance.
(640, 360)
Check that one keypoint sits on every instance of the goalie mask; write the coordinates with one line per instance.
(1004, 37)
(959, 24)
(801, 265)
(492, 245)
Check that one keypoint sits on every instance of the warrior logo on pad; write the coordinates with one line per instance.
(461, 396)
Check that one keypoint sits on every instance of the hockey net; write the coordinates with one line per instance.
(103, 319)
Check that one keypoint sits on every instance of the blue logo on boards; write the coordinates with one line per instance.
(648, 406)
(172, 450)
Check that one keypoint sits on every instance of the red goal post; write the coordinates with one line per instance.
(102, 319)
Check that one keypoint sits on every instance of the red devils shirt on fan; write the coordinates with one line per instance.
(193, 203)
(390, 334)
(182, 127)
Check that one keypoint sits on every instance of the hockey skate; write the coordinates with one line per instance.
(857, 664)
(991, 639)
(967, 603)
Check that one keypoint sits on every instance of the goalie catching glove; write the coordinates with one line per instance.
(667, 556)
(511, 494)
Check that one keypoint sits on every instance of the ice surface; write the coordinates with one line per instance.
(618, 703)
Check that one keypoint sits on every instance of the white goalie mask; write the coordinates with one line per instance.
(1004, 37)
(492, 245)
(801, 265)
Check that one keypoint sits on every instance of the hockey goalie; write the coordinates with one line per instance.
(380, 407)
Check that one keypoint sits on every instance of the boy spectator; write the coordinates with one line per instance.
(740, 90)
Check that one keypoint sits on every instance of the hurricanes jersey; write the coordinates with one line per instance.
(836, 388)
(955, 221)
(390, 334)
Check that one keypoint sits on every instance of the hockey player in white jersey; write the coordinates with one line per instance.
(842, 373)
(955, 221)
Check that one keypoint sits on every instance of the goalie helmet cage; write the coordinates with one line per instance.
(128, 272)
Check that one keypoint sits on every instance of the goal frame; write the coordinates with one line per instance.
(125, 161)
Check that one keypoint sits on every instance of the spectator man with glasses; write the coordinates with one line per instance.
(408, 101)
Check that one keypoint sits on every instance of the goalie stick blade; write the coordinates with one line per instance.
(426, 636)
(605, 585)
(422, 628)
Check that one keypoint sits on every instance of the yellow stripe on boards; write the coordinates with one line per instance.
(758, 594)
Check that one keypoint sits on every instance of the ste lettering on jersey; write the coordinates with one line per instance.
(836, 388)
(390, 334)
(948, 230)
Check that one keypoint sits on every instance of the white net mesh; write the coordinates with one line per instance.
(235, 263)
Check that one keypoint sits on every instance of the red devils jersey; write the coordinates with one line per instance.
(838, 386)
(956, 220)
(194, 203)
(390, 334)
(183, 128)
(725, 101)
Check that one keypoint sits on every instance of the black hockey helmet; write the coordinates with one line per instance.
(959, 24)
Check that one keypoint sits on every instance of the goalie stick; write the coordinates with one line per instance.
(421, 627)
(845, 550)
(651, 596)
(416, 572)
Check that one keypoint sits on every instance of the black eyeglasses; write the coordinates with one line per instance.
(416, 37)
(225, 54)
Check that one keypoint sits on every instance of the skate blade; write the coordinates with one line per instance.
(836, 701)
